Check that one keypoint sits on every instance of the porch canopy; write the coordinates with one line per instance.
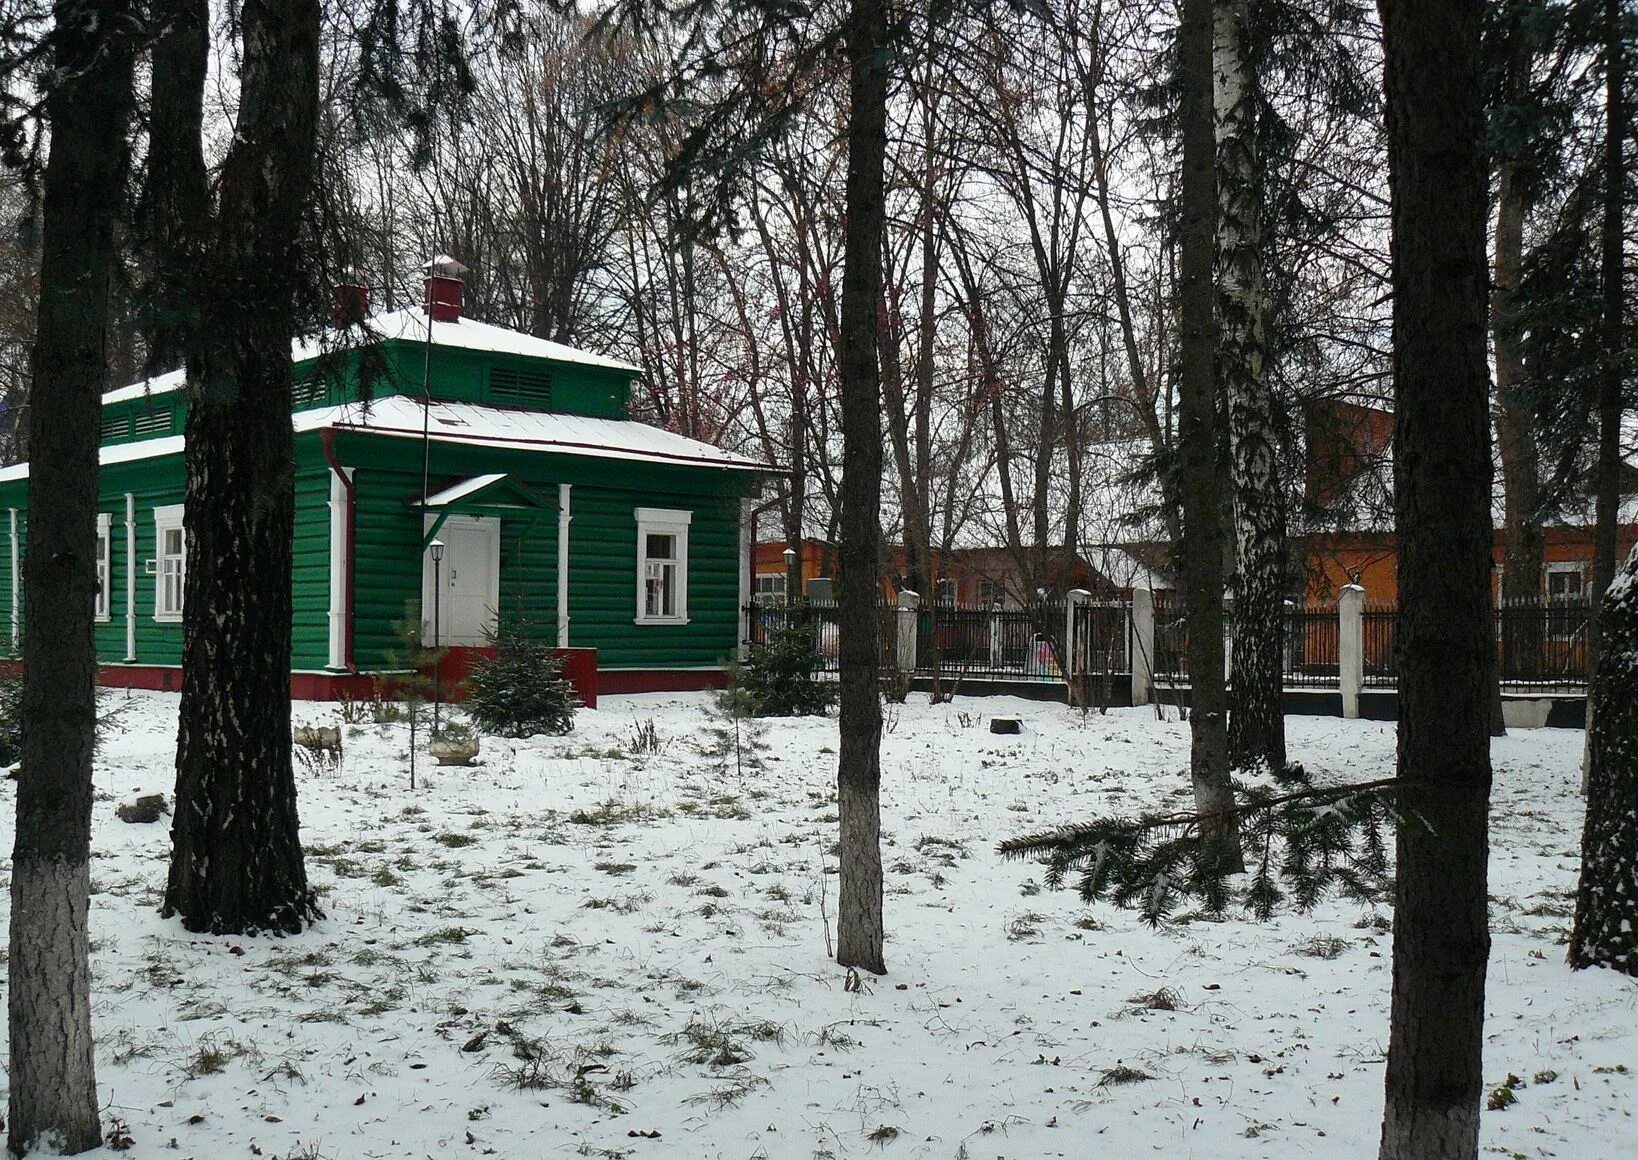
(496, 494)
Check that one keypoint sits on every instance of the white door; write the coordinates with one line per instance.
(462, 611)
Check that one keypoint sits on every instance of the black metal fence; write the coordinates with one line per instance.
(762, 620)
(1541, 646)
(991, 642)
(983, 642)
(1377, 624)
(1313, 647)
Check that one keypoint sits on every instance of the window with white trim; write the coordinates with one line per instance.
(662, 566)
(1564, 581)
(770, 588)
(105, 566)
(170, 562)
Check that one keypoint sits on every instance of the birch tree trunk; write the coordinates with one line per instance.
(1438, 178)
(1605, 933)
(1256, 729)
(1201, 488)
(859, 774)
(53, 1093)
(236, 860)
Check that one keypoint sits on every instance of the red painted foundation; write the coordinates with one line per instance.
(579, 669)
(660, 680)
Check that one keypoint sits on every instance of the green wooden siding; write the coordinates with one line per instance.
(400, 367)
(603, 581)
(388, 535)
(160, 482)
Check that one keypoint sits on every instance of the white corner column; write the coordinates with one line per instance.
(1351, 647)
(16, 590)
(338, 569)
(565, 515)
(130, 578)
(905, 652)
(747, 547)
(1142, 645)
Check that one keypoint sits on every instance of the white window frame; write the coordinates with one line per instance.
(168, 518)
(768, 588)
(663, 522)
(105, 567)
(1563, 567)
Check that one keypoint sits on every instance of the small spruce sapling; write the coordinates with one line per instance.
(520, 692)
(410, 684)
(781, 675)
(734, 736)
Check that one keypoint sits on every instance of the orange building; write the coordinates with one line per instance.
(1371, 560)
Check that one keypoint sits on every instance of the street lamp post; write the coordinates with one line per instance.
(792, 580)
(437, 550)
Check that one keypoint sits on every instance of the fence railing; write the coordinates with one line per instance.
(1541, 646)
(1313, 647)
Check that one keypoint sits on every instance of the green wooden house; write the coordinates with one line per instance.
(481, 472)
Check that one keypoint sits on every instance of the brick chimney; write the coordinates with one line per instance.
(352, 304)
(442, 300)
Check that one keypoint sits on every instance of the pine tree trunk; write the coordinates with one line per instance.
(1607, 472)
(1522, 551)
(1201, 489)
(1256, 717)
(53, 1096)
(175, 192)
(859, 774)
(236, 861)
(1438, 179)
(1606, 905)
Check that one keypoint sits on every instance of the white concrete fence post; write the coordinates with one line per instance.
(1142, 645)
(1351, 647)
(996, 651)
(1077, 645)
(905, 653)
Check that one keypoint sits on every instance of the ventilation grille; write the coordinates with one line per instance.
(304, 392)
(151, 423)
(118, 427)
(527, 387)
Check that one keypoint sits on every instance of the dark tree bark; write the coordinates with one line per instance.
(1522, 551)
(1605, 933)
(53, 1095)
(1522, 548)
(236, 862)
(1202, 486)
(175, 196)
(1438, 178)
(1256, 726)
(1608, 470)
(859, 909)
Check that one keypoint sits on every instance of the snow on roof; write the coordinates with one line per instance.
(476, 426)
(1124, 570)
(471, 425)
(410, 326)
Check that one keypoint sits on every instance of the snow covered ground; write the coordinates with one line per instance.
(573, 949)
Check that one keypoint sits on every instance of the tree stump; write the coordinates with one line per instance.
(141, 808)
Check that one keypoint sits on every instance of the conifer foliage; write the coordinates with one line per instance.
(520, 692)
(734, 735)
(1302, 841)
(781, 675)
